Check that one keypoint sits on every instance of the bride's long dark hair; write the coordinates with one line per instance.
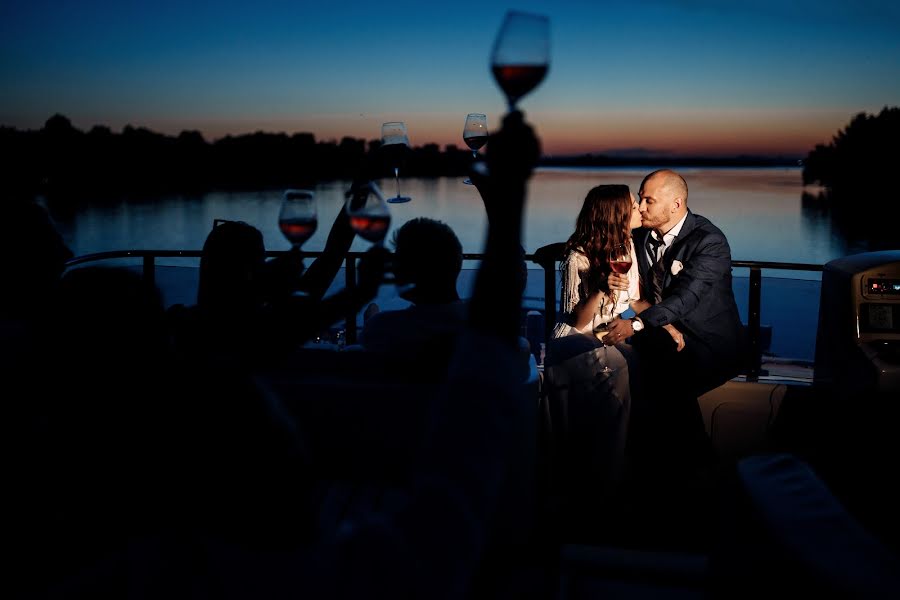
(602, 225)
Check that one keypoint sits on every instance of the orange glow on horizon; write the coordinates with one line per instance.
(715, 132)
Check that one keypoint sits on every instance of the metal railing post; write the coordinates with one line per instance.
(549, 299)
(753, 325)
(350, 283)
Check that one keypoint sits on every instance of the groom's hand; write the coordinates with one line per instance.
(619, 330)
(617, 282)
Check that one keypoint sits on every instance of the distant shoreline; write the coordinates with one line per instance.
(659, 161)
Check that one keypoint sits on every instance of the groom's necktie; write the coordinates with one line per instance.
(657, 271)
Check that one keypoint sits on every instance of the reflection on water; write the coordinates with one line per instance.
(761, 210)
(862, 223)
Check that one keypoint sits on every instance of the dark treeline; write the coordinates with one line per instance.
(602, 160)
(855, 169)
(858, 155)
(61, 159)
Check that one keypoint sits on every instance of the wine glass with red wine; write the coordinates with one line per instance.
(395, 148)
(298, 219)
(475, 135)
(620, 262)
(369, 215)
(521, 54)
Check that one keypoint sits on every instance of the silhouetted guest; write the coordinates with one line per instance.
(105, 453)
(246, 312)
(139, 449)
(431, 547)
(427, 262)
(32, 258)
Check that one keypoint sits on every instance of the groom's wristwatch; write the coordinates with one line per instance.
(636, 324)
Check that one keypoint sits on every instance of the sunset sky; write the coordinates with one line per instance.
(644, 77)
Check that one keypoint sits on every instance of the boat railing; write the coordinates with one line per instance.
(546, 257)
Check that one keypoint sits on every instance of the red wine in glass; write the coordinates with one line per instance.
(371, 227)
(475, 143)
(475, 135)
(518, 80)
(298, 219)
(521, 54)
(297, 231)
(369, 215)
(620, 262)
(620, 266)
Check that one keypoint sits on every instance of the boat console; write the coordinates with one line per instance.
(858, 339)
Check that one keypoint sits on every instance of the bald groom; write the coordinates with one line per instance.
(685, 268)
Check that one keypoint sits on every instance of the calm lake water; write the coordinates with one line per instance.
(759, 209)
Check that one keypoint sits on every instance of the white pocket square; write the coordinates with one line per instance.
(676, 267)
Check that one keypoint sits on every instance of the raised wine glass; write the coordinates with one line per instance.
(298, 219)
(395, 145)
(521, 54)
(475, 134)
(369, 215)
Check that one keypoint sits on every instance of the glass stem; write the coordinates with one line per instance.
(397, 177)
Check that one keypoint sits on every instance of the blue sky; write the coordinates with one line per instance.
(679, 77)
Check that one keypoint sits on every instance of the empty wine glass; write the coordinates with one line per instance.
(521, 54)
(395, 146)
(298, 219)
(600, 331)
(475, 134)
(369, 215)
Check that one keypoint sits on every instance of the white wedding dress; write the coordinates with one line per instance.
(588, 408)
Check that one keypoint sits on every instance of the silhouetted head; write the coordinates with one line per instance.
(32, 255)
(105, 314)
(232, 267)
(664, 196)
(428, 255)
(604, 223)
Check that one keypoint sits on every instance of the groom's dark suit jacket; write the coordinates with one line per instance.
(698, 299)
